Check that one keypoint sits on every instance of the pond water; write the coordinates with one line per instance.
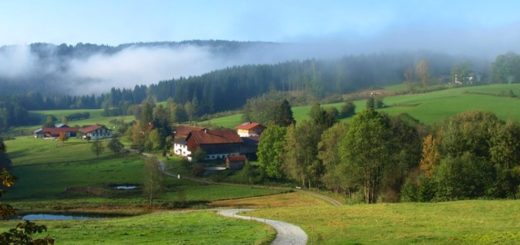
(125, 187)
(42, 216)
(215, 168)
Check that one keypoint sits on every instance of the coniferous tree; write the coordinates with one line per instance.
(347, 110)
(284, 115)
(371, 103)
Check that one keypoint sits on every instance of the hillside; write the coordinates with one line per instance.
(428, 107)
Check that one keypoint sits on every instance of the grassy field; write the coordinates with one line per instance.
(428, 107)
(196, 227)
(95, 116)
(461, 222)
(54, 176)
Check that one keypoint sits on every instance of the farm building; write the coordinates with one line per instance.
(217, 144)
(52, 133)
(95, 132)
(180, 134)
(235, 162)
(250, 129)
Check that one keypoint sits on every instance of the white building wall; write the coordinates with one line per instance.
(181, 150)
(100, 134)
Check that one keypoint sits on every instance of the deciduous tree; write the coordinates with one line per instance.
(367, 150)
(153, 184)
(97, 147)
(270, 151)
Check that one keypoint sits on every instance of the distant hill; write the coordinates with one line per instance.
(92, 68)
(85, 68)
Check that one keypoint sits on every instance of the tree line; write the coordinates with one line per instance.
(376, 157)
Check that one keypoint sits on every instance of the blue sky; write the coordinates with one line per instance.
(121, 21)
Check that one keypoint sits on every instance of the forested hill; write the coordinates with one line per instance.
(87, 68)
(230, 88)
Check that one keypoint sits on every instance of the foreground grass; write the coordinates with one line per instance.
(428, 107)
(195, 227)
(461, 222)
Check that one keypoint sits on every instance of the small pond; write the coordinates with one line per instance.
(125, 187)
(43, 216)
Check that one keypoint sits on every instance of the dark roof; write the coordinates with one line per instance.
(61, 125)
(220, 136)
(236, 158)
(249, 125)
(182, 131)
(91, 128)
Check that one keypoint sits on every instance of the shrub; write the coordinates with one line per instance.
(463, 177)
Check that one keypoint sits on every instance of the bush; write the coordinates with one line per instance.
(463, 177)
(418, 189)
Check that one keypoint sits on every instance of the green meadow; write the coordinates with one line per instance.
(53, 175)
(194, 227)
(460, 222)
(430, 107)
(96, 116)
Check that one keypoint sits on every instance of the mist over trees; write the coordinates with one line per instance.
(231, 88)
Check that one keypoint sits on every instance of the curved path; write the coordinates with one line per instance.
(326, 199)
(286, 234)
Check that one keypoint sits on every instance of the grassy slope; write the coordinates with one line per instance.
(428, 107)
(158, 228)
(95, 116)
(46, 169)
(466, 222)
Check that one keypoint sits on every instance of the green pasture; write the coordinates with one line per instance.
(430, 107)
(461, 222)
(195, 227)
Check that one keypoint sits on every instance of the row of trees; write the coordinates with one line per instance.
(152, 129)
(273, 108)
(12, 114)
(471, 155)
(382, 158)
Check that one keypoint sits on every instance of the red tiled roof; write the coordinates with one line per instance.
(182, 131)
(57, 131)
(249, 125)
(236, 158)
(91, 128)
(221, 136)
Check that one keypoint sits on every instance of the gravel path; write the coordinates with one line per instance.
(327, 199)
(287, 234)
